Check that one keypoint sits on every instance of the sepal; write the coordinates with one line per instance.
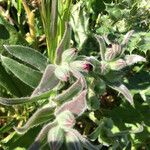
(55, 138)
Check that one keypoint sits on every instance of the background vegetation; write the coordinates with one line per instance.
(110, 120)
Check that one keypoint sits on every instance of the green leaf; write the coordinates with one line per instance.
(94, 135)
(130, 118)
(9, 35)
(118, 64)
(78, 76)
(42, 134)
(102, 46)
(28, 75)
(70, 92)
(132, 59)
(139, 84)
(24, 140)
(80, 23)
(22, 100)
(127, 38)
(7, 82)
(48, 81)
(53, 22)
(63, 43)
(40, 116)
(28, 55)
(6, 128)
(76, 106)
(124, 91)
(103, 129)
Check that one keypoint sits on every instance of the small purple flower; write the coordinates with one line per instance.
(82, 66)
(87, 67)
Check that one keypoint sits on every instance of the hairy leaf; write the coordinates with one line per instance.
(78, 75)
(29, 76)
(22, 100)
(55, 138)
(77, 106)
(48, 81)
(79, 23)
(127, 38)
(40, 116)
(118, 64)
(70, 92)
(42, 135)
(7, 82)
(132, 59)
(63, 42)
(28, 55)
(8, 34)
(102, 46)
(124, 91)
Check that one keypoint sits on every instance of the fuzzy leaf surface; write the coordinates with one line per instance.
(132, 59)
(102, 46)
(124, 91)
(127, 37)
(63, 43)
(22, 100)
(42, 134)
(48, 81)
(9, 34)
(28, 75)
(77, 106)
(28, 55)
(7, 83)
(40, 116)
(70, 92)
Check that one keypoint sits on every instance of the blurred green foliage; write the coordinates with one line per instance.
(115, 119)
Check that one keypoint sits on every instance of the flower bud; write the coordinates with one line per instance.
(69, 55)
(62, 72)
(113, 51)
(66, 119)
(56, 138)
(83, 66)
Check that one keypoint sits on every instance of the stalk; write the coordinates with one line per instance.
(54, 15)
